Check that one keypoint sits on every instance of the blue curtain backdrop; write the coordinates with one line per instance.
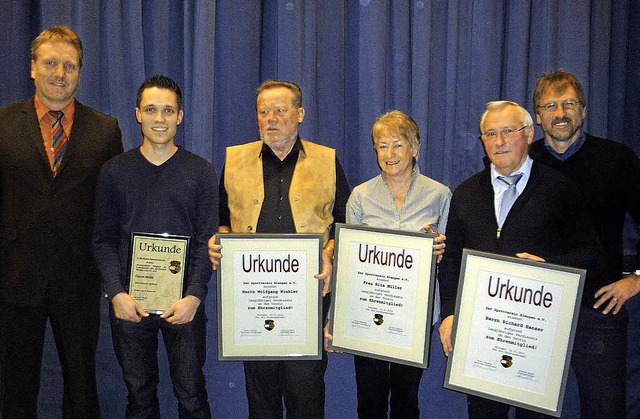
(439, 61)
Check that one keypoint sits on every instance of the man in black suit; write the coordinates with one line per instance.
(49, 163)
(546, 222)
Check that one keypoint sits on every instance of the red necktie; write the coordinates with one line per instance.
(58, 140)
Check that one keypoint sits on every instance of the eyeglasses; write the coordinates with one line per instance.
(567, 105)
(505, 132)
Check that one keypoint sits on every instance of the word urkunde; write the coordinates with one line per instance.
(378, 257)
(252, 263)
(519, 294)
(152, 247)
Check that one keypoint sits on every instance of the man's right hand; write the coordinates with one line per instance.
(327, 338)
(126, 308)
(214, 252)
(445, 330)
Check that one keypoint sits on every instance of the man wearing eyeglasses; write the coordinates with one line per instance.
(514, 207)
(608, 176)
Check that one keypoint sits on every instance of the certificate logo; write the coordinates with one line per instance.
(269, 324)
(378, 319)
(175, 266)
(506, 361)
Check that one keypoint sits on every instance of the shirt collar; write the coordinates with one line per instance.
(41, 110)
(573, 148)
(525, 170)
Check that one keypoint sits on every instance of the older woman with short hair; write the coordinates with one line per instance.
(401, 198)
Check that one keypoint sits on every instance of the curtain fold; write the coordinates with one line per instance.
(438, 60)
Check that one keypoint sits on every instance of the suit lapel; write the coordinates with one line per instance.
(526, 192)
(75, 140)
(33, 137)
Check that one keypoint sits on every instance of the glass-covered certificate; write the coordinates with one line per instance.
(382, 298)
(513, 330)
(268, 299)
(157, 270)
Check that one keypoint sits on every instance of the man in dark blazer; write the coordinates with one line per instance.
(49, 164)
(546, 223)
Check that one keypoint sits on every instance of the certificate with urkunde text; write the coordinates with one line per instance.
(158, 264)
(513, 330)
(382, 298)
(268, 299)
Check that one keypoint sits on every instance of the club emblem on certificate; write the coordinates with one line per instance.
(175, 267)
(157, 270)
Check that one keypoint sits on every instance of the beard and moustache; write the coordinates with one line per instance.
(559, 136)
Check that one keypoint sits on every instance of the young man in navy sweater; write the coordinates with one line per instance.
(157, 188)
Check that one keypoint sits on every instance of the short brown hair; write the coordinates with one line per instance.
(270, 84)
(58, 34)
(560, 80)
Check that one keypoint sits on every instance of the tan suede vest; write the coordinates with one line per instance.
(311, 194)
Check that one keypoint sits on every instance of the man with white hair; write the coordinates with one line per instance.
(514, 207)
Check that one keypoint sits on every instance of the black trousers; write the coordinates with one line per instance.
(480, 408)
(299, 383)
(377, 380)
(75, 329)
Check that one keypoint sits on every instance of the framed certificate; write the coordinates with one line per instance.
(513, 330)
(382, 298)
(158, 264)
(269, 303)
